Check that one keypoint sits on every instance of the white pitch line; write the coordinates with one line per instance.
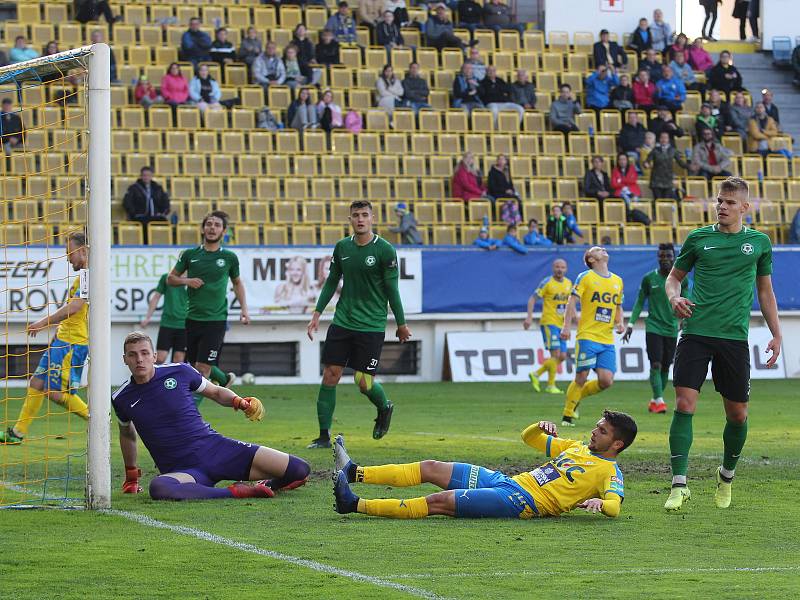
(642, 571)
(300, 562)
(489, 438)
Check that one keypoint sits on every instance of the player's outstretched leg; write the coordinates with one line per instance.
(374, 391)
(296, 474)
(182, 486)
(347, 502)
(341, 459)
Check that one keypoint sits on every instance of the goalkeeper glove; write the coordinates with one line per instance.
(252, 407)
(131, 485)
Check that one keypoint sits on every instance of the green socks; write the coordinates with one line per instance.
(656, 384)
(377, 396)
(664, 380)
(733, 438)
(326, 403)
(680, 441)
(218, 376)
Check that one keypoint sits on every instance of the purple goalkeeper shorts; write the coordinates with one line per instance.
(222, 459)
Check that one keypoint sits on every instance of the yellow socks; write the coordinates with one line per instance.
(590, 388)
(572, 400)
(412, 508)
(395, 475)
(75, 405)
(30, 408)
(550, 365)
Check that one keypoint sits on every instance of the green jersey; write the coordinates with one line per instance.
(660, 318)
(209, 302)
(371, 277)
(175, 300)
(725, 269)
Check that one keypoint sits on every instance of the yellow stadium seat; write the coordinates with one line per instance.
(610, 121)
(405, 188)
(295, 188)
(587, 211)
(275, 235)
(432, 189)
(440, 166)
(166, 164)
(182, 187)
(304, 235)
(330, 234)
(245, 234)
(415, 166)
(130, 234)
(264, 17)
(773, 190)
(315, 141)
(769, 213)
(323, 188)
(233, 142)
(692, 212)
(159, 234)
(521, 166)
(477, 210)
(425, 212)
(378, 189)
(377, 120)
(444, 235)
(256, 211)
(313, 211)
(196, 210)
(697, 187)
(333, 165)
(614, 211)
(351, 187)
(284, 211)
(777, 166)
(666, 211)
(194, 164)
(232, 207)
(187, 234)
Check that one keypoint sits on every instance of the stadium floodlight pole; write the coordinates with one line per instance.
(98, 463)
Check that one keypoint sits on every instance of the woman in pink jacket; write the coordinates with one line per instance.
(699, 58)
(174, 87)
(467, 181)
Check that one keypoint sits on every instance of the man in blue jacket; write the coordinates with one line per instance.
(484, 241)
(598, 87)
(670, 89)
(195, 44)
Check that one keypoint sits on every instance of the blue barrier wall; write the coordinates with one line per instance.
(475, 280)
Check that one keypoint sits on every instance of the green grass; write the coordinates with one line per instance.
(645, 553)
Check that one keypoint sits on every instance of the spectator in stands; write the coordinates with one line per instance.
(563, 110)
(671, 91)
(772, 110)
(174, 87)
(329, 113)
(497, 16)
(90, 10)
(622, 95)
(649, 144)
(710, 158)
(720, 109)
(407, 226)
(661, 162)
(222, 51)
(302, 114)
(250, 48)
(662, 32)
(470, 15)
(681, 46)
(478, 66)
(145, 93)
(625, 180)
(389, 89)
(512, 241)
(740, 115)
(642, 37)
(596, 182)
(50, 48)
(606, 52)
(146, 200)
(744, 10)
(305, 47)
(370, 13)
(644, 91)
(398, 8)
(195, 44)
(10, 127)
(534, 237)
(652, 64)
(495, 93)
(342, 25)
(298, 73)
(631, 136)
(706, 120)
(724, 76)
(710, 7)
(665, 122)
(523, 91)
(465, 90)
(557, 230)
(268, 68)
(761, 129)
(740, 12)
(467, 180)
(484, 241)
(686, 74)
(204, 90)
(387, 34)
(415, 89)
(573, 231)
(500, 186)
(439, 31)
(21, 51)
(327, 50)
(699, 57)
(598, 87)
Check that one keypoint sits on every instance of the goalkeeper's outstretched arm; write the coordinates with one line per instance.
(252, 407)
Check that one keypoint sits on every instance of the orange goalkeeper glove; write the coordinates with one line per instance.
(131, 485)
(252, 407)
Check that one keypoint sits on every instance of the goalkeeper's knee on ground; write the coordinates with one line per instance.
(360, 376)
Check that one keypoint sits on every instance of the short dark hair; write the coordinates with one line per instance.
(134, 337)
(219, 214)
(565, 85)
(78, 238)
(510, 227)
(735, 184)
(356, 204)
(145, 168)
(666, 246)
(343, 4)
(6, 101)
(532, 220)
(624, 427)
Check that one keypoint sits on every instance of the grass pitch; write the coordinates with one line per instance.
(748, 551)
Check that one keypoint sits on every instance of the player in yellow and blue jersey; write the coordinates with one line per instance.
(578, 475)
(599, 292)
(554, 291)
(61, 366)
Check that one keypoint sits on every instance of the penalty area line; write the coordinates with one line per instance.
(294, 560)
(642, 571)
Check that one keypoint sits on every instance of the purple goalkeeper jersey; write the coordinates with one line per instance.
(166, 417)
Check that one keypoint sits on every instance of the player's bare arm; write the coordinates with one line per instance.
(569, 316)
(403, 333)
(620, 320)
(769, 308)
(241, 297)
(529, 319)
(151, 309)
(66, 311)
(252, 407)
(177, 279)
(682, 307)
(313, 325)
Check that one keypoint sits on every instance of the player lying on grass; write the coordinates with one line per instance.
(577, 476)
(191, 457)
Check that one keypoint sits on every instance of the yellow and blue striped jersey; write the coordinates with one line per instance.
(573, 475)
(75, 328)
(600, 298)
(554, 295)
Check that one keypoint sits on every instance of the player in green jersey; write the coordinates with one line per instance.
(728, 259)
(368, 264)
(661, 325)
(172, 326)
(205, 271)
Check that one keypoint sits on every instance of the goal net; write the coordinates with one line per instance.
(55, 235)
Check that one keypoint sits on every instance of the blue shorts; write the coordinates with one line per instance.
(551, 335)
(61, 366)
(220, 459)
(481, 492)
(593, 355)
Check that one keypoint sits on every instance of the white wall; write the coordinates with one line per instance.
(779, 18)
(585, 15)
